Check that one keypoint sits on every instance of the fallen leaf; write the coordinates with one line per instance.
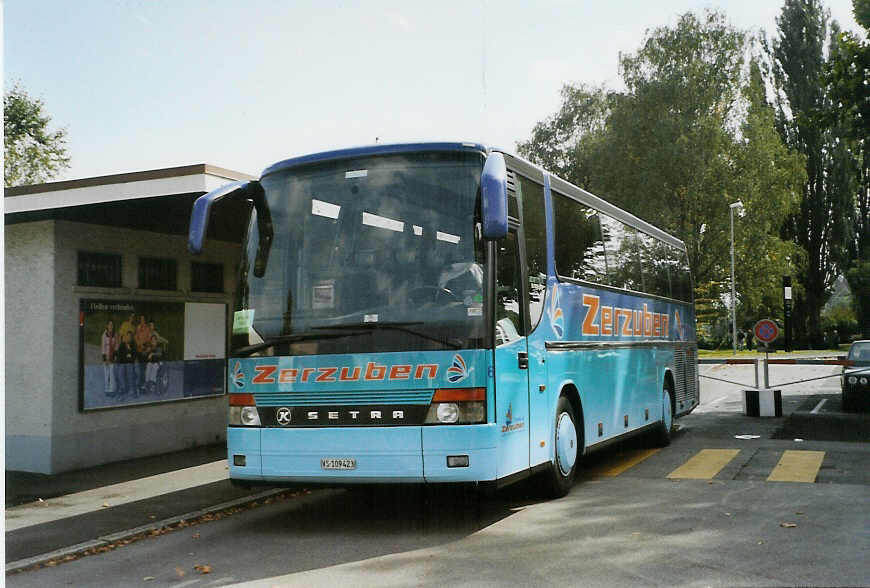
(798, 513)
(195, 535)
(202, 569)
(105, 505)
(761, 542)
(148, 578)
(788, 525)
(727, 514)
(179, 572)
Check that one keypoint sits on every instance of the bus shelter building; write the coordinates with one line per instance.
(115, 335)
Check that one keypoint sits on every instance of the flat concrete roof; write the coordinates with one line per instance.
(187, 179)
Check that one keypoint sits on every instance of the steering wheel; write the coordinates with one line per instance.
(432, 294)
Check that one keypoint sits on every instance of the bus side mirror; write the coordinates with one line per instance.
(202, 210)
(245, 190)
(493, 197)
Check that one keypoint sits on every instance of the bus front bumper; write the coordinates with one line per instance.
(378, 454)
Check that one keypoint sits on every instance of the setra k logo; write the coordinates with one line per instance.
(283, 416)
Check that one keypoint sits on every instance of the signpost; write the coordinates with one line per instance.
(764, 402)
(766, 331)
(786, 309)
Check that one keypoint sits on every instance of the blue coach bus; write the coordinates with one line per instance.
(445, 312)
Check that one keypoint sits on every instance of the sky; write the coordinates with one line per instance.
(145, 84)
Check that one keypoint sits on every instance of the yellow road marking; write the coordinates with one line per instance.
(623, 462)
(704, 465)
(797, 466)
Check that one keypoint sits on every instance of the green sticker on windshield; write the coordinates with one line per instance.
(242, 321)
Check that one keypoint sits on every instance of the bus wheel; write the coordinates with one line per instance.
(565, 449)
(662, 434)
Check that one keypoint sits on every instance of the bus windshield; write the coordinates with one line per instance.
(378, 253)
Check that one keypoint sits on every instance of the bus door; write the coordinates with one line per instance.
(511, 358)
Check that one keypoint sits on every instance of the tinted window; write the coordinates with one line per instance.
(579, 245)
(386, 239)
(535, 227)
(508, 314)
(681, 277)
(655, 265)
(623, 260)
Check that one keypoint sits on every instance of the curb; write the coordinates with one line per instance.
(105, 540)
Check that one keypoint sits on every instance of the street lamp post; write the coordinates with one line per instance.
(738, 205)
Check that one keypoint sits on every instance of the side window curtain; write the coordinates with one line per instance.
(535, 230)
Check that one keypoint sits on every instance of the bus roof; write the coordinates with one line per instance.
(558, 183)
(378, 149)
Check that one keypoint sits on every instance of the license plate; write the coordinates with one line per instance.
(338, 463)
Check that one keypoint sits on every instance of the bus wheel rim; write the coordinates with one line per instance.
(566, 443)
(667, 416)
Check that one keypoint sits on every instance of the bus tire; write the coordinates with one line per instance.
(662, 433)
(566, 449)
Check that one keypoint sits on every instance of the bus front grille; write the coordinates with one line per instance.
(344, 398)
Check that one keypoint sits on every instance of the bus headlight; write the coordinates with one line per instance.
(863, 381)
(250, 416)
(852, 379)
(242, 412)
(447, 412)
(462, 406)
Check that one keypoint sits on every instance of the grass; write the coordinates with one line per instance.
(752, 354)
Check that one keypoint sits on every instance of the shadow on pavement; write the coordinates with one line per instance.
(829, 423)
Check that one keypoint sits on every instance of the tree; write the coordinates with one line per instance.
(563, 143)
(820, 227)
(847, 75)
(32, 152)
(691, 134)
(666, 154)
(769, 179)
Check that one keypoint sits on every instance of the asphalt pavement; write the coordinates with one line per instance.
(49, 518)
(52, 518)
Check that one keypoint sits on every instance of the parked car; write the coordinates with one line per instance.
(855, 381)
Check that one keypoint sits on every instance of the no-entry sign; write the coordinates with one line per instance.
(766, 331)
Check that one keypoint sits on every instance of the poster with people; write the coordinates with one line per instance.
(139, 352)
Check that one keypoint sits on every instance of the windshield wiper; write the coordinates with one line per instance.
(249, 349)
(395, 326)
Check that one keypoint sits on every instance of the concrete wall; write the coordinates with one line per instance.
(29, 300)
(76, 439)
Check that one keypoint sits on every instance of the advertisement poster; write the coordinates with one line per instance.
(140, 352)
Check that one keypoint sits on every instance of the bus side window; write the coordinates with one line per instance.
(623, 262)
(682, 280)
(508, 309)
(579, 244)
(654, 265)
(535, 231)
